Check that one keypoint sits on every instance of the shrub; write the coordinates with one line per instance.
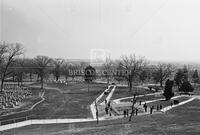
(168, 89)
(186, 87)
(176, 102)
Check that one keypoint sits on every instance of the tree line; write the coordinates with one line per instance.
(14, 66)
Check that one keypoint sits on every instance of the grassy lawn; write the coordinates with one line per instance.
(79, 87)
(122, 92)
(183, 120)
(102, 99)
(72, 104)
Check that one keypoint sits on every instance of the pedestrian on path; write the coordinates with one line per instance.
(127, 112)
(145, 107)
(136, 111)
(140, 102)
(97, 116)
(151, 109)
(106, 110)
(108, 104)
(133, 112)
(110, 112)
(157, 108)
(160, 107)
(105, 101)
(124, 113)
(111, 109)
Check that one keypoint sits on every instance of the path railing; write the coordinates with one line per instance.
(42, 121)
(14, 120)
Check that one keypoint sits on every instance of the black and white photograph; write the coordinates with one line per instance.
(99, 67)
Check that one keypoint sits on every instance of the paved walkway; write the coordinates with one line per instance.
(52, 121)
(93, 110)
(117, 103)
(119, 99)
(44, 121)
(108, 97)
(181, 103)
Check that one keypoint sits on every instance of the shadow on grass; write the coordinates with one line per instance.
(162, 100)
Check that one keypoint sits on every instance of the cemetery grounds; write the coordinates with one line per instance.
(74, 101)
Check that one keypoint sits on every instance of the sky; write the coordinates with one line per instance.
(166, 30)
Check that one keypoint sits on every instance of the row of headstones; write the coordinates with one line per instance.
(14, 87)
(54, 81)
(59, 81)
(10, 98)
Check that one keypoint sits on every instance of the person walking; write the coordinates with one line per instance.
(106, 110)
(108, 104)
(110, 113)
(127, 112)
(157, 108)
(145, 107)
(160, 107)
(124, 113)
(97, 116)
(136, 111)
(133, 112)
(151, 109)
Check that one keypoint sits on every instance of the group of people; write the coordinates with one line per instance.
(159, 107)
(108, 108)
(12, 95)
(127, 111)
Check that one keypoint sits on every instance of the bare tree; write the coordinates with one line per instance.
(72, 68)
(29, 64)
(107, 67)
(21, 67)
(118, 76)
(65, 70)
(12, 51)
(58, 65)
(18, 69)
(42, 63)
(143, 75)
(83, 65)
(133, 65)
(162, 72)
(3, 52)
